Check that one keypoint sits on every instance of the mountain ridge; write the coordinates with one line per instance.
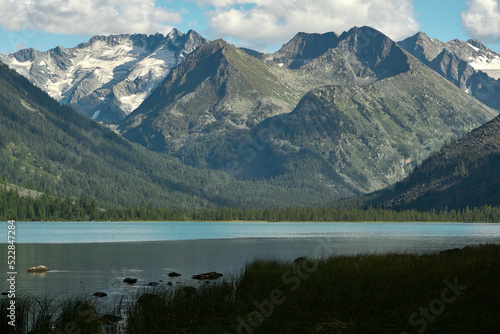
(470, 65)
(462, 174)
(108, 76)
(327, 116)
(381, 84)
(217, 85)
(51, 148)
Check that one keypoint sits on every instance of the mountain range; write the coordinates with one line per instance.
(109, 76)
(325, 117)
(355, 112)
(54, 149)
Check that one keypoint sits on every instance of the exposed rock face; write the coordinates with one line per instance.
(302, 49)
(217, 87)
(109, 76)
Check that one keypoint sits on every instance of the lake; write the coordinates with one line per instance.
(88, 257)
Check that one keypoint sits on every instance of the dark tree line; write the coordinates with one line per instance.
(49, 208)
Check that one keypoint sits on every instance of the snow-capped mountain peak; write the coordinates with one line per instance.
(109, 76)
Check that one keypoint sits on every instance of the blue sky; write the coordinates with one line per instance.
(260, 24)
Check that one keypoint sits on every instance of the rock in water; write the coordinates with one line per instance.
(129, 280)
(207, 276)
(38, 269)
(100, 294)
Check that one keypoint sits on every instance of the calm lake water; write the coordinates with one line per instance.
(90, 257)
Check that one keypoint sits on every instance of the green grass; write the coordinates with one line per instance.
(455, 292)
(50, 314)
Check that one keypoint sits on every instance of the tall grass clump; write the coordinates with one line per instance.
(50, 314)
(374, 294)
(204, 308)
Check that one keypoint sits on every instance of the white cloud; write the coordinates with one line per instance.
(482, 19)
(87, 17)
(261, 23)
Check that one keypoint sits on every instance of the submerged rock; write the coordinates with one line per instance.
(153, 283)
(173, 274)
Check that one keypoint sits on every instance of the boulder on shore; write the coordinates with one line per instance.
(38, 269)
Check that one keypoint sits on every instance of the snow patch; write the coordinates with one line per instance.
(490, 66)
(96, 114)
(132, 102)
(22, 68)
(475, 48)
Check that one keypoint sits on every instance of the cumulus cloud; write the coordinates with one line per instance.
(481, 20)
(261, 23)
(87, 17)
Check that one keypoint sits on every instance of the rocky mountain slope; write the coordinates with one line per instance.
(463, 173)
(373, 136)
(51, 148)
(470, 65)
(476, 54)
(350, 113)
(109, 76)
(360, 56)
(217, 88)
